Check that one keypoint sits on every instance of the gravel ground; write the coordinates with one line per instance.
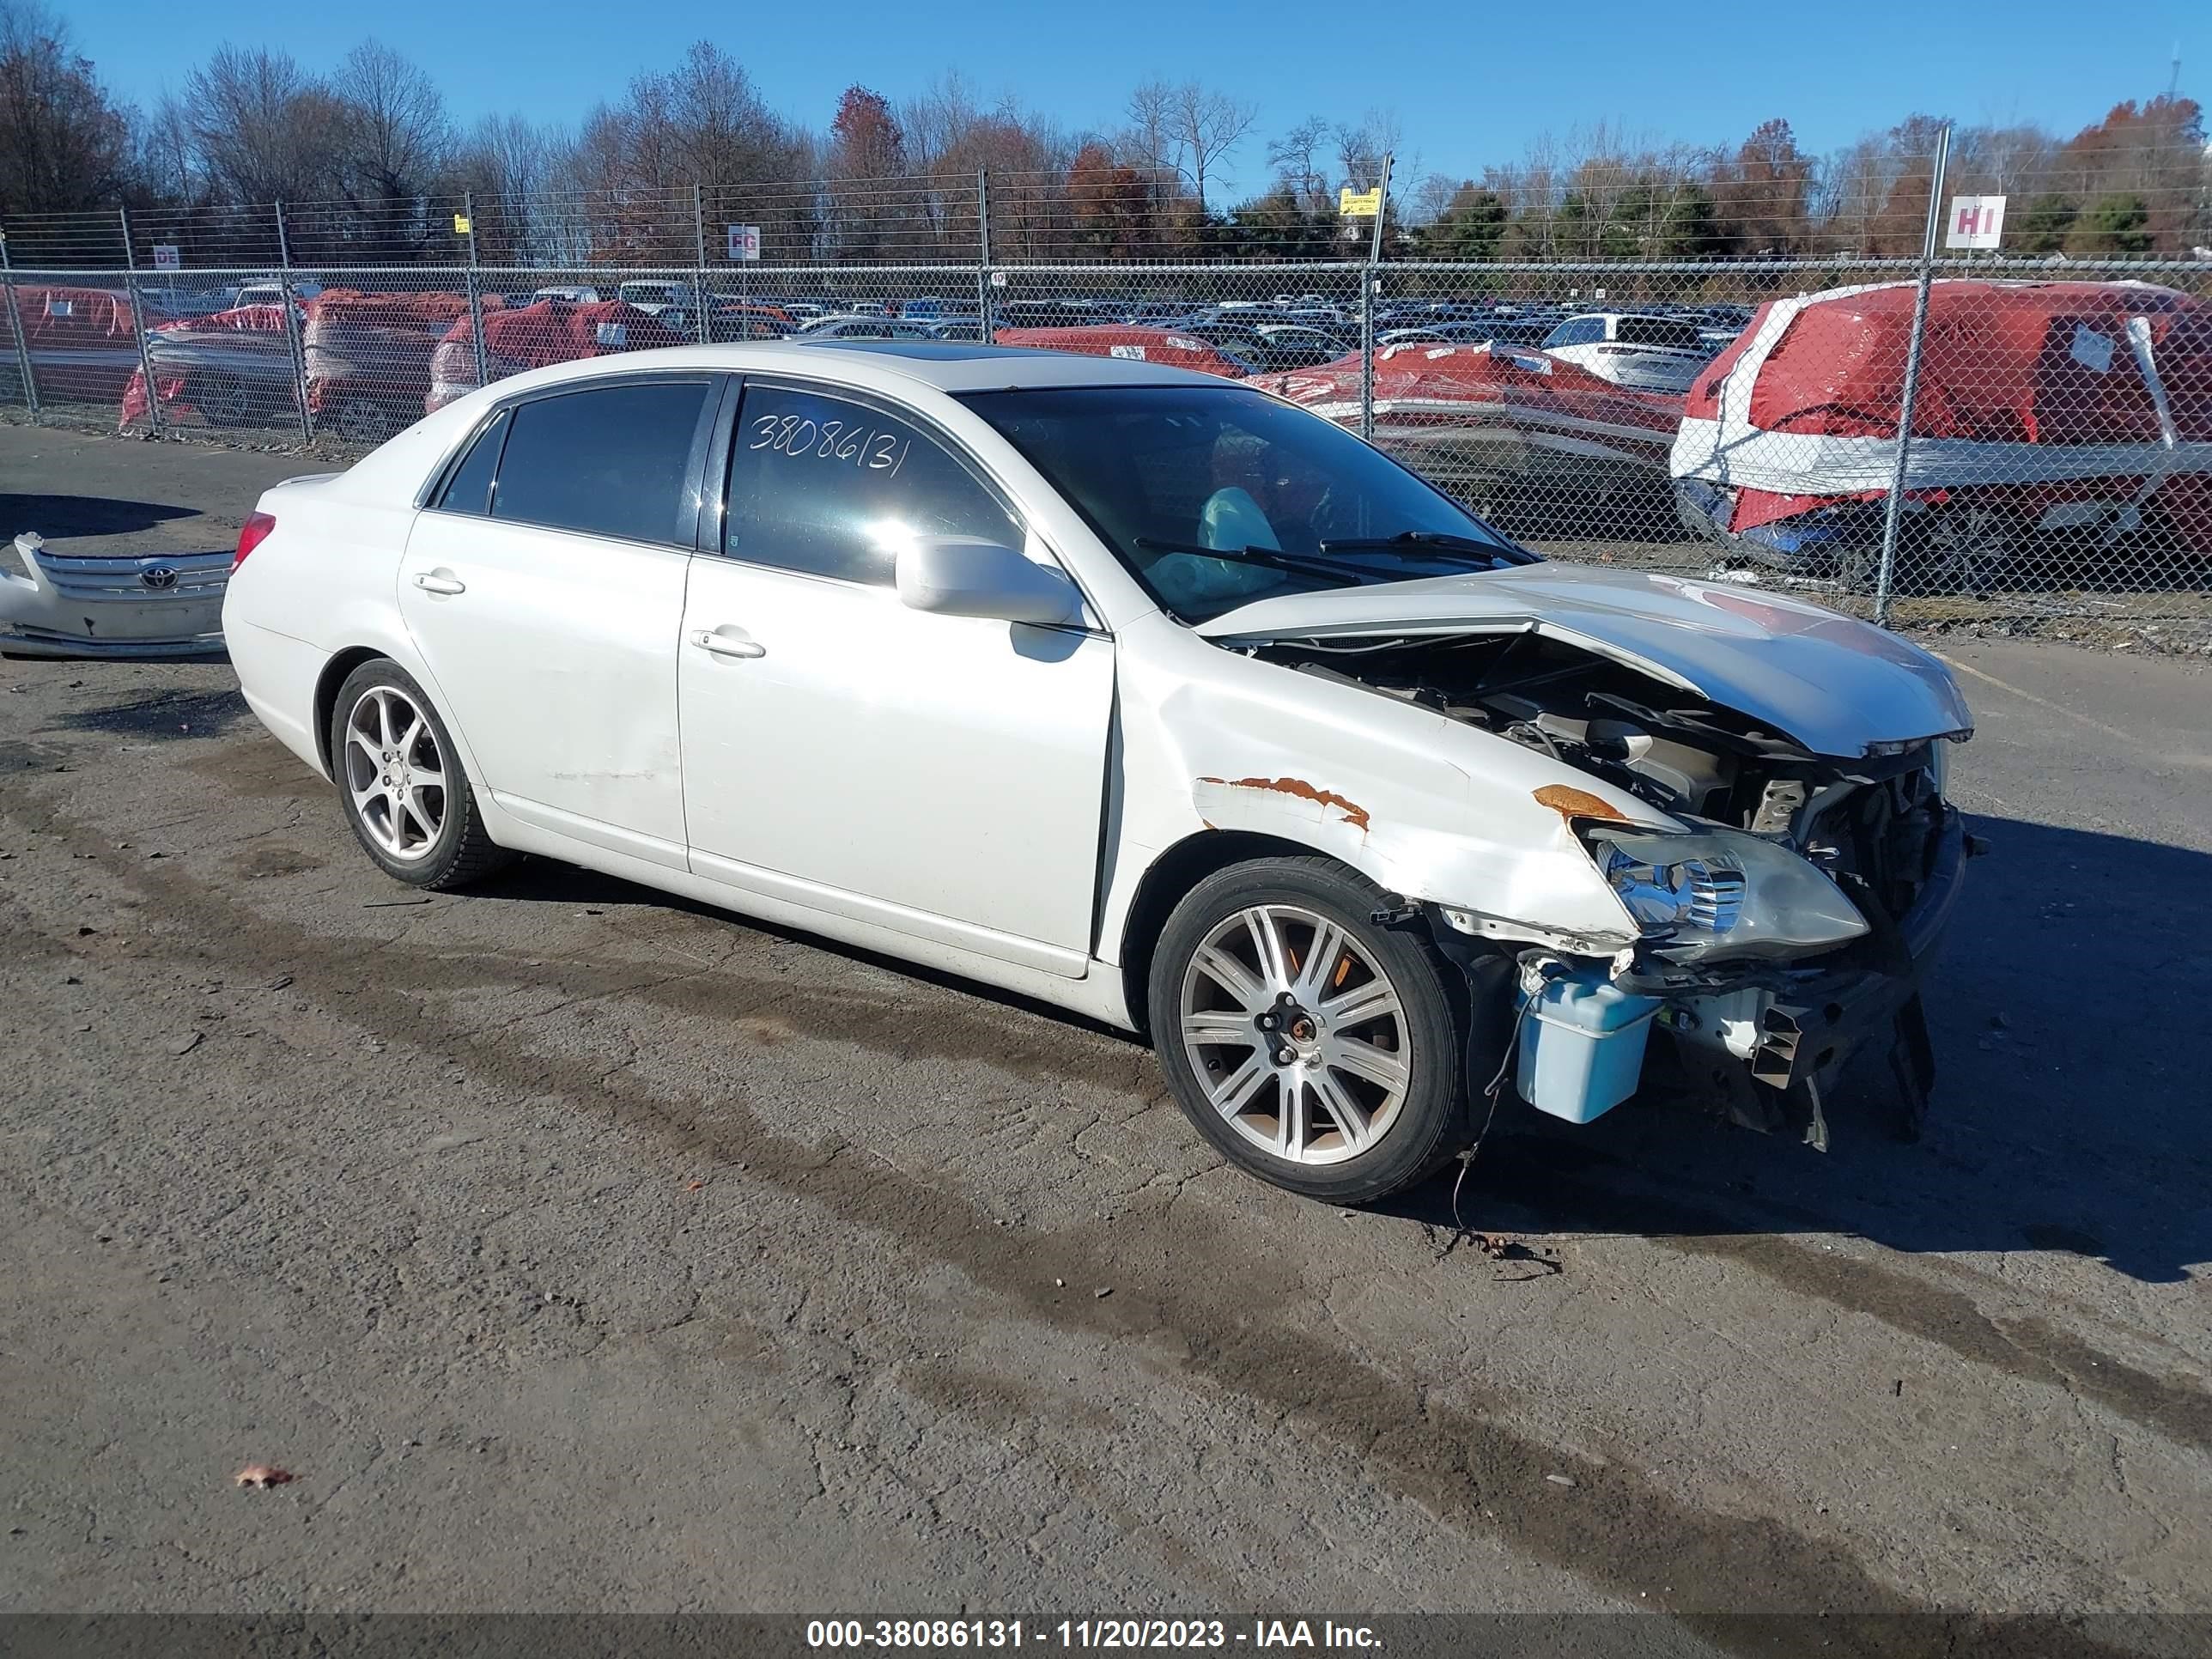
(578, 1249)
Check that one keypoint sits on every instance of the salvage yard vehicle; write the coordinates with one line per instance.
(1642, 353)
(1496, 423)
(1142, 693)
(2050, 418)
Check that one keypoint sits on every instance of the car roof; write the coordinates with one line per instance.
(949, 366)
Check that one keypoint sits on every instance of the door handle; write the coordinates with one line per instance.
(438, 581)
(728, 641)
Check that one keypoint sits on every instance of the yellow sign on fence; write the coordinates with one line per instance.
(460, 224)
(1359, 204)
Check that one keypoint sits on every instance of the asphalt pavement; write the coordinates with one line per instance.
(576, 1247)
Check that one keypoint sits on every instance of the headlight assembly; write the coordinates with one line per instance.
(1715, 892)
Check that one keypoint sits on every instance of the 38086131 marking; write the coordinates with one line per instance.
(938, 1634)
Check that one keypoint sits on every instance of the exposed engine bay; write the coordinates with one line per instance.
(1869, 822)
(1760, 1039)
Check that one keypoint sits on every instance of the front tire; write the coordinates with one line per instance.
(1313, 1048)
(401, 786)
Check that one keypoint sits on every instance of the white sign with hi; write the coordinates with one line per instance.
(744, 241)
(165, 256)
(1976, 222)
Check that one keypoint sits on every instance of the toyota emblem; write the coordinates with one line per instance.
(159, 575)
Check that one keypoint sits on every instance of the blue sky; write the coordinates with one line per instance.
(1469, 85)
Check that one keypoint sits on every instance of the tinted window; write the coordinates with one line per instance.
(469, 491)
(832, 488)
(611, 461)
(1658, 331)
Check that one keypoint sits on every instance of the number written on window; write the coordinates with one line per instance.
(863, 446)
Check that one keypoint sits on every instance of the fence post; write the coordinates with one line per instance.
(984, 332)
(1370, 278)
(1885, 578)
(699, 270)
(138, 325)
(475, 288)
(292, 329)
(22, 340)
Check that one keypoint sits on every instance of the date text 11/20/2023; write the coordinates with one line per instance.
(938, 1634)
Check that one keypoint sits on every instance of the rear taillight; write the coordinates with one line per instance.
(258, 526)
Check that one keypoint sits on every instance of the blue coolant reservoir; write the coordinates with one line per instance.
(1582, 1046)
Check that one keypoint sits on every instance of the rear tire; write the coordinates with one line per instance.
(1353, 1091)
(401, 786)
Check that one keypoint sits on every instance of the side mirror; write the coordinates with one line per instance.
(967, 576)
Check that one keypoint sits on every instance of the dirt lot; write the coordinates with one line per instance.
(578, 1248)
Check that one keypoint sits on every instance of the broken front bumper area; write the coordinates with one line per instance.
(125, 605)
(1770, 1040)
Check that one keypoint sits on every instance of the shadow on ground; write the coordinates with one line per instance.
(2072, 1109)
(164, 714)
(58, 517)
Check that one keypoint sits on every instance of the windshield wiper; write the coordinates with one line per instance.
(1444, 541)
(1298, 563)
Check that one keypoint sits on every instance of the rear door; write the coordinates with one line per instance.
(545, 589)
(942, 775)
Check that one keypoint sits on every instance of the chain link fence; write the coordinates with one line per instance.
(1937, 439)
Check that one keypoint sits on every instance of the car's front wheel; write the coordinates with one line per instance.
(1315, 1049)
(401, 785)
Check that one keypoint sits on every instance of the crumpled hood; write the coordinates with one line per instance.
(1833, 685)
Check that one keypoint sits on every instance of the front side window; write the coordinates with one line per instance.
(832, 488)
(609, 461)
(1213, 497)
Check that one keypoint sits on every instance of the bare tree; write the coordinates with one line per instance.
(266, 130)
(1295, 158)
(397, 134)
(62, 144)
(1206, 127)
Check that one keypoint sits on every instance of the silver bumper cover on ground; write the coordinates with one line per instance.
(155, 605)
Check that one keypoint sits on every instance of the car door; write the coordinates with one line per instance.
(942, 775)
(545, 589)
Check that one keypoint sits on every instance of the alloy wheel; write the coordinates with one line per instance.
(395, 773)
(1298, 1036)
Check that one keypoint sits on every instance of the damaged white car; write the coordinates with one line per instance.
(1143, 694)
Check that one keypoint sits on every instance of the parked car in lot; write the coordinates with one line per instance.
(1491, 422)
(532, 336)
(2050, 418)
(1642, 353)
(1139, 692)
(1134, 343)
(863, 327)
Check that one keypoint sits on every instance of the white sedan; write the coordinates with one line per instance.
(1141, 693)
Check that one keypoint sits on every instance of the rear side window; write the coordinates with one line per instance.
(832, 488)
(469, 491)
(610, 461)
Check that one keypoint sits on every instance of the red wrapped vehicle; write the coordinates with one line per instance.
(1151, 345)
(1481, 418)
(530, 336)
(367, 358)
(2048, 413)
(229, 369)
(83, 341)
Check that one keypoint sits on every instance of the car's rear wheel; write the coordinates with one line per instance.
(401, 786)
(1315, 1049)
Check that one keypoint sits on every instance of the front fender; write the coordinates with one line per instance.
(1424, 805)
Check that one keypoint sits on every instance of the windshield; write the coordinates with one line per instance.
(1214, 497)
